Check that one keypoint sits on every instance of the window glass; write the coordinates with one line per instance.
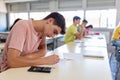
(70, 14)
(14, 16)
(102, 18)
(98, 18)
(38, 15)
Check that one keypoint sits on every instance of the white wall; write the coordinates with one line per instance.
(118, 11)
(2, 6)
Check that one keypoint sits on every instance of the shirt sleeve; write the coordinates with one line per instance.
(43, 42)
(74, 30)
(18, 35)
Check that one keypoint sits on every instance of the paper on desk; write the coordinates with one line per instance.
(71, 56)
(94, 55)
(53, 52)
(88, 36)
(65, 56)
(78, 41)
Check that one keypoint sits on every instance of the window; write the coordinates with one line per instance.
(98, 18)
(67, 14)
(38, 15)
(102, 18)
(14, 16)
(3, 23)
(70, 14)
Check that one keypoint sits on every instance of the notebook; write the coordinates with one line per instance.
(94, 54)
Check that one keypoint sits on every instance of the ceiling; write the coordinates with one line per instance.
(13, 1)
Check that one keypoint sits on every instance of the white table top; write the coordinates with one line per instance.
(94, 40)
(72, 66)
(76, 68)
(2, 45)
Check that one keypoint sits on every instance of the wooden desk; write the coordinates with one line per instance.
(72, 66)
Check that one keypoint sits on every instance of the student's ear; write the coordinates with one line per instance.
(50, 21)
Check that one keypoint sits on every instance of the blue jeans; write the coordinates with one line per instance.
(116, 43)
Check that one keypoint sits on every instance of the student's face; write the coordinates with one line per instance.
(84, 24)
(90, 28)
(51, 30)
(77, 21)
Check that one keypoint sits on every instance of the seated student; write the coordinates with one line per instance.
(18, 19)
(87, 29)
(116, 36)
(72, 33)
(26, 44)
(81, 27)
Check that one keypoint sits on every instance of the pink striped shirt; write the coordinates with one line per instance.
(22, 37)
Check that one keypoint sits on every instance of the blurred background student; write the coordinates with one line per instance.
(88, 29)
(81, 28)
(72, 32)
(116, 36)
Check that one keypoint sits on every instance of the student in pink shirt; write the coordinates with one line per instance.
(18, 19)
(26, 42)
(87, 29)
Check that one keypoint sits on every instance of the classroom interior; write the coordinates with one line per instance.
(104, 15)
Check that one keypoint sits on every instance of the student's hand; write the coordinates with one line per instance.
(52, 59)
(83, 29)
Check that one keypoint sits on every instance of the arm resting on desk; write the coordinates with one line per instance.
(78, 36)
(37, 54)
(15, 60)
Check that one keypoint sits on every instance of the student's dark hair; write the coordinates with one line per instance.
(59, 20)
(85, 21)
(76, 18)
(15, 23)
(89, 26)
